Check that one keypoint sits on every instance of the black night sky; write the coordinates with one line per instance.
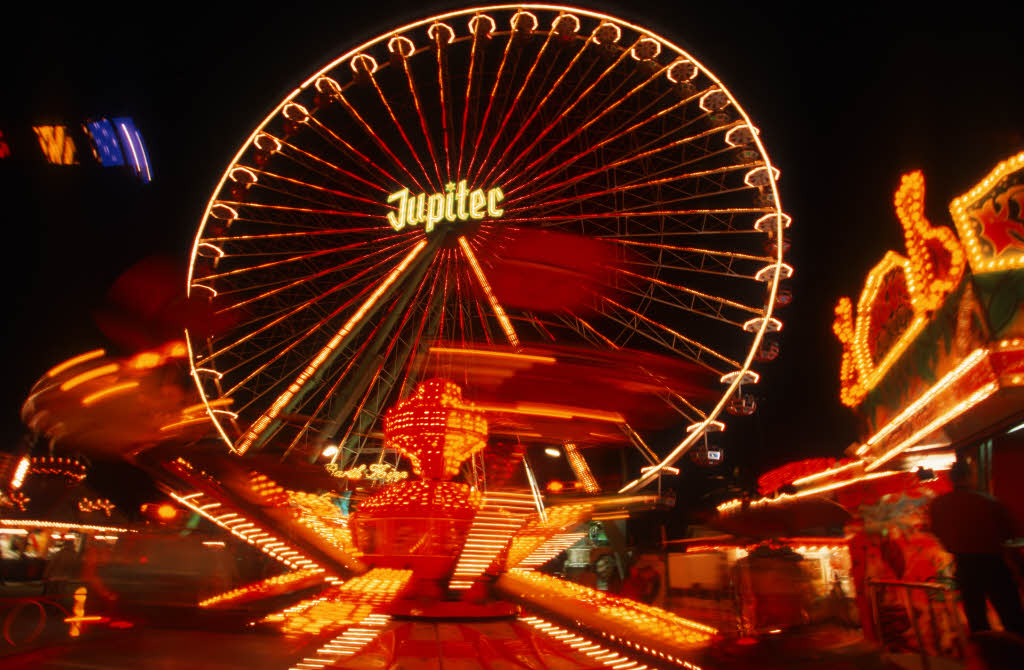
(848, 96)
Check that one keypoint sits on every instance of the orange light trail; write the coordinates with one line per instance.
(506, 325)
(89, 375)
(494, 354)
(72, 362)
(946, 417)
(261, 423)
(110, 390)
(553, 411)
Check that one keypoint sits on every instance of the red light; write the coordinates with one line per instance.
(166, 512)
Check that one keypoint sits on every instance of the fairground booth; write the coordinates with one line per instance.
(933, 365)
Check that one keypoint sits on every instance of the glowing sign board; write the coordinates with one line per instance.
(104, 142)
(457, 203)
(57, 145)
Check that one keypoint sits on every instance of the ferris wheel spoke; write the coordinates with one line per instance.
(677, 336)
(301, 233)
(326, 354)
(313, 254)
(423, 120)
(515, 102)
(613, 136)
(435, 303)
(316, 164)
(640, 153)
(623, 188)
(722, 260)
(381, 144)
(465, 106)
(694, 250)
(710, 313)
(442, 78)
(627, 128)
(698, 294)
(606, 107)
(301, 210)
(313, 187)
(536, 111)
(292, 310)
(583, 328)
(553, 220)
(732, 274)
(496, 307)
(368, 351)
(401, 132)
(644, 175)
(490, 101)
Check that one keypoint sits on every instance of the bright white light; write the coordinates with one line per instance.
(552, 452)
(932, 461)
(19, 473)
(1019, 426)
(330, 452)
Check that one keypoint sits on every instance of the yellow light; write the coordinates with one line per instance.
(72, 362)
(926, 288)
(20, 472)
(89, 375)
(499, 312)
(965, 208)
(93, 398)
(57, 145)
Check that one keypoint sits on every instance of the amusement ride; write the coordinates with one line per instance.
(481, 233)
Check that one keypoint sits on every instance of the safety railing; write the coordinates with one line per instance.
(931, 613)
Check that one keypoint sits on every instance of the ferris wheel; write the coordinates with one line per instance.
(513, 181)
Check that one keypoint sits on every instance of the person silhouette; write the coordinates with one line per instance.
(974, 527)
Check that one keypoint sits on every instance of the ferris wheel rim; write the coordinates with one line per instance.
(759, 328)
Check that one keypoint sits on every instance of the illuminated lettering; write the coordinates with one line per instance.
(57, 145)
(456, 203)
(376, 472)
